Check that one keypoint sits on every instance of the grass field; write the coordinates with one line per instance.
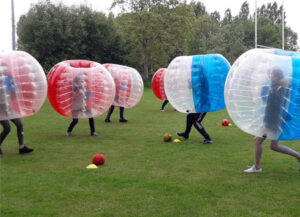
(143, 176)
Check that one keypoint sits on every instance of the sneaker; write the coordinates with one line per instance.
(107, 120)
(182, 135)
(253, 169)
(123, 120)
(69, 134)
(25, 150)
(208, 141)
(161, 110)
(94, 134)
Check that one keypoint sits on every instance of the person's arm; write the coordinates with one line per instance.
(78, 91)
(11, 86)
(283, 83)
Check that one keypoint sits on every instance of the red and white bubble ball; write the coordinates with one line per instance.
(80, 88)
(23, 85)
(129, 85)
(157, 84)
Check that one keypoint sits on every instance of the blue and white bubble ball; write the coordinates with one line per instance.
(262, 93)
(195, 84)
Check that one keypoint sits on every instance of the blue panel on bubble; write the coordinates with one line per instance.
(200, 85)
(209, 74)
(291, 129)
(286, 53)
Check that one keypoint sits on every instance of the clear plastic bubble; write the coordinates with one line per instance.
(23, 85)
(129, 85)
(262, 93)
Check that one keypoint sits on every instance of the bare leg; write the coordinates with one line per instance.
(283, 149)
(258, 150)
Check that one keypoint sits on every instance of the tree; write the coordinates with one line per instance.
(203, 41)
(52, 33)
(156, 31)
(199, 8)
(244, 11)
(270, 17)
(291, 38)
(216, 15)
(227, 17)
(271, 11)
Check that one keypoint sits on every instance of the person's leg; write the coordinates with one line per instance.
(5, 132)
(20, 132)
(197, 124)
(92, 127)
(110, 111)
(22, 148)
(258, 154)
(122, 119)
(71, 126)
(190, 119)
(163, 105)
(283, 149)
(258, 150)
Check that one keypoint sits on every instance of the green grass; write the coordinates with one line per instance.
(143, 176)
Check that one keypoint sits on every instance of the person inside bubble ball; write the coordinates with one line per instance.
(195, 119)
(8, 88)
(120, 87)
(272, 120)
(80, 95)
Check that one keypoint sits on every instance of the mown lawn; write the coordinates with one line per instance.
(143, 176)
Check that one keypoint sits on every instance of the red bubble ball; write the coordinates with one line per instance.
(98, 159)
(80, 88)
(157, 84)
(225, 122)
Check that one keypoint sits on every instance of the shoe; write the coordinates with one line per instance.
(107, 120)
(208, 141)
(253, 169)
(94, 134)
(161, 110)
(25, 150)
(182, 135)
(69, 134)
(123, 120)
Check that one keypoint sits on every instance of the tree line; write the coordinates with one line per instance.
(147, 34)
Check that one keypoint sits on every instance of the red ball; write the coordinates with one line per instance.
(98, 159)
(225, 122)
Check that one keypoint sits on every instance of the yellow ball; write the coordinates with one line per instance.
(167, 137)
